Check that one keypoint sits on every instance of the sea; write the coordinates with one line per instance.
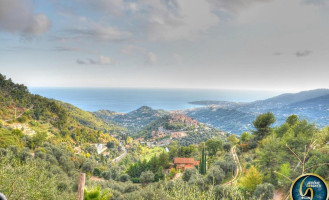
(124, 100)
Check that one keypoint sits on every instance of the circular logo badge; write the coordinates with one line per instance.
(309, 186)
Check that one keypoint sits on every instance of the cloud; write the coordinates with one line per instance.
(17, 16)
(104, 33)
(81, 62)
(101, 60)
(303, 53)
(39, 24)
(131, 49)
(234, 6)
(151, 58)
(113, 7)
(177, 19)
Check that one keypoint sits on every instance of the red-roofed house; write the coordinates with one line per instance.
(185, 163)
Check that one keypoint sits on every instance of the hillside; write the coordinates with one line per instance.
(290, 98)
(135, 120)
(177, 126)
(236, 118)
(62, 121)
(229, 120)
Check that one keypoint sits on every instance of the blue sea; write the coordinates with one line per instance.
(124, 100)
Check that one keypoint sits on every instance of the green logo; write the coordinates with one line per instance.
(309, 187)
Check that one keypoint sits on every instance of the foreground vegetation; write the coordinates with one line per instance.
(45, 145)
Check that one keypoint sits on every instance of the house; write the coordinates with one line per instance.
(185, 163)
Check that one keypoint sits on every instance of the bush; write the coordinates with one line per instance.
(131, 188)
(135, 180)
(106, 175)
(146, 177)
(227, 147)
(188, 173)
(22, 119)
(264, 191)
(25, 154)
(124, 178)
(215, 175)
(227, 192)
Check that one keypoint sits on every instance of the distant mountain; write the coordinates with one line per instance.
(134, 120)
(236, 118)
(314, 110)
(290, 98)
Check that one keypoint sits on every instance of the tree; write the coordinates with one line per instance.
(146, 177)
(188, 173)
(124, 178)
(97, 194)
(164, 160)
(263, 124)
(213, 145)
(292, 120)
(227, 146)
(245, 137)
(269, 157)
(264, 192)
(87, 167)
(203, 163)
(284, 174)
(198, 180)
(251, 179)
(233, 139)
(215, 175)
(110, 144)
(129, 140)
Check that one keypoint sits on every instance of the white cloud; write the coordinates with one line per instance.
(99, 32)
(101, 60)
(234, 6)
(179, 19)
(40, 24)
(18, 16)
(132, 6)
(151, 58)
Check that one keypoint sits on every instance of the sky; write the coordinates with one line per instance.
(224, 44)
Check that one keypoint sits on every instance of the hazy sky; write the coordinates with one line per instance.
(231, 44)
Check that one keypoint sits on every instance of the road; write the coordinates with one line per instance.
(238, 170)
(117, 159)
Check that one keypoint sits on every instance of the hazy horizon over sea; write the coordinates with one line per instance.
(125, 100)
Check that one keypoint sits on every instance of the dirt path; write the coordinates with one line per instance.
(278, 195)
(238, 170)
(177, 176)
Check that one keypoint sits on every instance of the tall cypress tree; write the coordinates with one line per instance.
(205, 163)
(202, 166)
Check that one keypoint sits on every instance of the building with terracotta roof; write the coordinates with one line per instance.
(185, 163)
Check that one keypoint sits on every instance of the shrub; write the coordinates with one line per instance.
(146, 177)
(188, 173)
(124, 178)
(264, 192)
